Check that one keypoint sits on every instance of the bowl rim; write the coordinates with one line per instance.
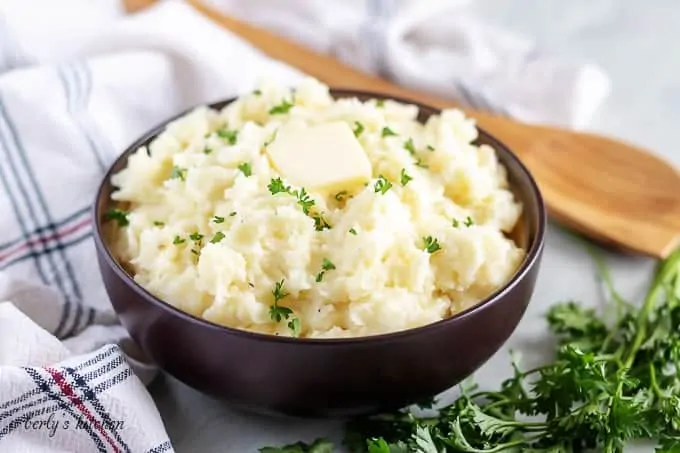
(530, 259)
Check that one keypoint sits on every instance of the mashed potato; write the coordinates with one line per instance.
(421, 241)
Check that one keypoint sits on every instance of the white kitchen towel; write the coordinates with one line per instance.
(442, 47)
(79, 81)
(52, 401)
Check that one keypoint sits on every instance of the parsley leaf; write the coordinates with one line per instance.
(178, 173)
(278, 313)
(358, 128)
(196, 236)
(282, 108)
(327, 265)
(257, 92)
(387, 132)
(217, 238)
(279, 292)
(382, 185)
(229, 135)
(120, 216)
(430, 244)
(246, 169)
(294, 326)
(468, 222)
(207, 150)
(405, 178)
(158, 223)
(232, 213)
(276, 185)
(178, 240)
(320, 223)
(353, 231)
(430, 148)
(218, 219)
(304, 200)
(380, 103)
(409, 146)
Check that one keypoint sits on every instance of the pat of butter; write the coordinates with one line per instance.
(325, 157)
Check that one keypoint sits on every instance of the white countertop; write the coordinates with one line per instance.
(636, 42)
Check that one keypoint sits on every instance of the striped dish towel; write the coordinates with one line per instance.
(79, 81)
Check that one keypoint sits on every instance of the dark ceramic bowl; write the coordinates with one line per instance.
(335, 377)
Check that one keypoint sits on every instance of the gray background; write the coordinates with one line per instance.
(637, 43)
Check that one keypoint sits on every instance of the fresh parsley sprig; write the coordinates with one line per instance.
(612, 381)
(326, 265)
(230, 136)
(278, 313)
(305, 202)
(118, 215)
(382, 185)
(281, 108)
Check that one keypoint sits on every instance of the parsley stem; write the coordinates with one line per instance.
(669, 268)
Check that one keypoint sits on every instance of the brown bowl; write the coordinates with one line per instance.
(334, 377)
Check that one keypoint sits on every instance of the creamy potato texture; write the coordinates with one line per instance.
(212, 228)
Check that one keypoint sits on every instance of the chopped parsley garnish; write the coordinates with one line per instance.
(380, 103)
(279, 292)
(320, 223)
(430, 244)
(232, 213)
(196, 236)
(158, 223)
(304, 200)
(278, 313)
(327, 265)
(229, 135)
(282, 108)
(341, 196)
(353, 231)
(382, 185)
(178, 240)
(421, 164)
(276, 185)
(120, 216)
(409, 146)
(207, 150)
(358, 128)
(257, 92)
(455, 223)
(468, 221)
(294, 326)
(405, 178)
(217, 238)
(178, 173)
(430, 148)
(218, 219)
(246, 168)
(196, 252)
(387, 132)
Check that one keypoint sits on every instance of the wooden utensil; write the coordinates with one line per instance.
(610, 191)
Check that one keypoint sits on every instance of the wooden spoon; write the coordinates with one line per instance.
(610, 191)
